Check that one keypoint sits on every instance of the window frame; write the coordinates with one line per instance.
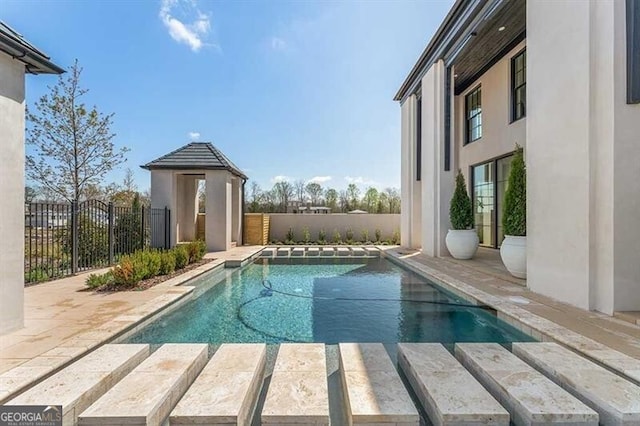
(477, 90)
(515, 88)
(419, 137)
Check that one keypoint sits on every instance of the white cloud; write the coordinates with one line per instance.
(278, 44)
(319, 179)
(359, 180)
(191, 34)
(194, 136)
(280, 178)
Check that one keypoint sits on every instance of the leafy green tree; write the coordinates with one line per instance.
(460, 210)
(353, 195)
(72, 144)
(370, 200)
(331, 198)
(284, 192)
(314, 191)
(128, 232)
(514, 216)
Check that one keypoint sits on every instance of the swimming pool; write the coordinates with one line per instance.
(327, 301)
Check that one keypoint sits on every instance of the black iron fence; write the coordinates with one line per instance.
(65, 238)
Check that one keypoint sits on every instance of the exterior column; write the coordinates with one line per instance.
(12, 190)
(583, 157)
(437, 187)
(218, 210)
(408, 173)
(187, 207)
(236, 213)
(163, 194)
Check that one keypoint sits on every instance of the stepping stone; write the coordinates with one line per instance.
(358, 251)
(374, 391)
(297, 251)
(268, 252)
(80, 384)
(147, 395)
(343, 251)
(449, 393)
(227, 389)
(372, 251)
(313, 251)
(298, 392)
(327, 251)
(530, 397)
(616, 400)
(283, 252)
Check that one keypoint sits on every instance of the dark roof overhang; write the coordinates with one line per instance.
(35, 61)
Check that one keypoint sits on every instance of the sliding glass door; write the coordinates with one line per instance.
(489, 185)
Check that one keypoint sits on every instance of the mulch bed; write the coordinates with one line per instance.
(150, 282)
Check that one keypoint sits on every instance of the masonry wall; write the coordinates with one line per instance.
(281, 222)
(12, 109)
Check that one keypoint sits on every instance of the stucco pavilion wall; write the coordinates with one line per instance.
(12, 109)
(281, 222)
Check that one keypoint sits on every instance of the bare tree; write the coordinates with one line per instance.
(72, 144)
(284, 192)
(353, 195)
(370, 199)
(331, 198)
(299, 187)
(255, 194)
(314, 190)
(393, 198)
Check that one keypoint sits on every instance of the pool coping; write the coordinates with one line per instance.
(536, 326)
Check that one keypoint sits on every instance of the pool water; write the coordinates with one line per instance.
(312, 300)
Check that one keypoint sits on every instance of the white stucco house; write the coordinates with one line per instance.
(562, 79)
(17, 57)
(174, 185)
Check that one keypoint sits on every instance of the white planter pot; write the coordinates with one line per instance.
(463, 243)
(514, 255)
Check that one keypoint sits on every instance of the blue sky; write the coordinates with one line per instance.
(297, 89)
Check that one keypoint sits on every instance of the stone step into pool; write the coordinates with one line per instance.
(477, 384)
(320, 251)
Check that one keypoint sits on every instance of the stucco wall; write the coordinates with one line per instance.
(12, 192)
(281, 222)
(499, 134)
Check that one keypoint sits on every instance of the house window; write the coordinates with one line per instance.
(633, 52)
(419, 139)
(519, 85)
(473, 114)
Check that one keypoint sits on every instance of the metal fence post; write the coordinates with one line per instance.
(142, 229)
(112, 242)
(75, 225)
(167, 228)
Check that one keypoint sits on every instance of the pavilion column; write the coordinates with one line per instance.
(236, 210)
(218, 210)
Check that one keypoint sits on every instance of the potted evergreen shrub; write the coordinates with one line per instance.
(514, 218)
(462, 240)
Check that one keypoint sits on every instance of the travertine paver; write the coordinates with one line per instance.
(343, 251)
(616, 400)
(297, 252)
(147, 395)
(372, 251)
(313, 251)
(327, 251)
(283, 252)
(449, 393)
(358, 251)
(226, 390)
(530, 397)
(268, 252)
(83, 382)
(298, 392)
(374, 391)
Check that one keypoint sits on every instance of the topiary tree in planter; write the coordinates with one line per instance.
(462, 240)
(460, 211)
(514, 218)
(514, 213)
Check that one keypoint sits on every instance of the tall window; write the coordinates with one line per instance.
(419, 139)
(473, 114)
(519, 85)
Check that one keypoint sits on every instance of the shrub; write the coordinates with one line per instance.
(395, 238)
(152, 259)
(349, 235)
(514, 213)
(100, 280)
(337, 238)
(306, 235)
(129, 271)
(460, 210)
(290, 236)
(196, 250)
(322, 236)
(378, 234)
(167, 262)
(365, 235)
(181, 255)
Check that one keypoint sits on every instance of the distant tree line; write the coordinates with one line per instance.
(276, 199)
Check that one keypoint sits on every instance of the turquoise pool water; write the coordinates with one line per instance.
(328, 301)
